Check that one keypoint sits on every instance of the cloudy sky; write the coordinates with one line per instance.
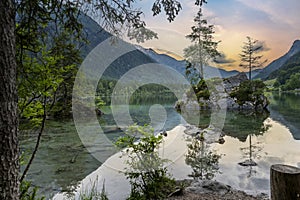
(276, 23)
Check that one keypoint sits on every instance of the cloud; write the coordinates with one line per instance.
(261, 46)
(222, 59)
(278, 11)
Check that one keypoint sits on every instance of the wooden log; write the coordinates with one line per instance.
(285, 182)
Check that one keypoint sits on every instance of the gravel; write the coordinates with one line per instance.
(231, 195)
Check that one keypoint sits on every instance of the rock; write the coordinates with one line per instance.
(99, 112)
(192, 130)
(220, 98)
(208, 186)
(213, 134)
(234, 81)
(248, 163)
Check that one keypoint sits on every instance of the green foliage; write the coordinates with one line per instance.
(105, 89)
(27, 192)
(286, 76)
(201, 90)
(292, 66)
(203, 161)
(192, 73)
(292, 83)
(251, 91)
(38, 81)
(93, 193)
(147, 174)
(99, 102)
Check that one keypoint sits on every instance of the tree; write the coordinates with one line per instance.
(204, 47)
(9, 148)
(292, 83)
(249, 56)
(250, 91)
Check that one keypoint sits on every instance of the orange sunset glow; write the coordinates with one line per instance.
(274, 22)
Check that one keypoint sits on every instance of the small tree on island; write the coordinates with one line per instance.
(249, 56)
(203, 47)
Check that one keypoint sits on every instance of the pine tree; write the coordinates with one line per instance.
(204, 47)
(249, 56)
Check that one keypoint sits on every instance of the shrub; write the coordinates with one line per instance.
(147, 174)
(28, 192)
(251, 91)
(201, 90)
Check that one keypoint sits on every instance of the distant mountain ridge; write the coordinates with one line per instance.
(280, 62)
(180, 65)
(291, 66)
(96, 34)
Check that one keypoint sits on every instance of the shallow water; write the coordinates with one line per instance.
(62, 161)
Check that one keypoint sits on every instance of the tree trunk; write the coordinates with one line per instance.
(9, 150)
(285, 182)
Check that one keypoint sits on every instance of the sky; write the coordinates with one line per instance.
(275, 23)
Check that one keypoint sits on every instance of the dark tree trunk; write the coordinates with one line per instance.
(285, 182)
(9, 150)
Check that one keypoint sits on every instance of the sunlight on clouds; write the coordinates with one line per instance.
(168, 40)
(274, 22)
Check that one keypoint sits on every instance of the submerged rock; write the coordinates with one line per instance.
(249, 162)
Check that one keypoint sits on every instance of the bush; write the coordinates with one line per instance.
(292, 83)
(251, 91)
(201, 90)
(147, 174)
(28, 192)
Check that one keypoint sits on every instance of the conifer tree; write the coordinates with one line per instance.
(204, 47)
(250, 57)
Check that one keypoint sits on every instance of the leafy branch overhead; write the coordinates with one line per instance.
(170, 7)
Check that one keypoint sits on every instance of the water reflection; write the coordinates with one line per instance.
(270, 132)
(241, 124)
(285, 108)
(61, 161)
(276, 145)
(203, 161)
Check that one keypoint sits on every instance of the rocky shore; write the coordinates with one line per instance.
(220, 96)
(213, 190)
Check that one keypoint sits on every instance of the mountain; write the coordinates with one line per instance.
(279, 63)
(291, 66)
(179, 65)
(95, 34)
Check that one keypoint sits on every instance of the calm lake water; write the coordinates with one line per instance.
(62, 160)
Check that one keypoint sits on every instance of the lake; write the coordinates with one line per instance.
(62, 160)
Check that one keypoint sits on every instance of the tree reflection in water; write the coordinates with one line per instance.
(245, 125)
(203, 161)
